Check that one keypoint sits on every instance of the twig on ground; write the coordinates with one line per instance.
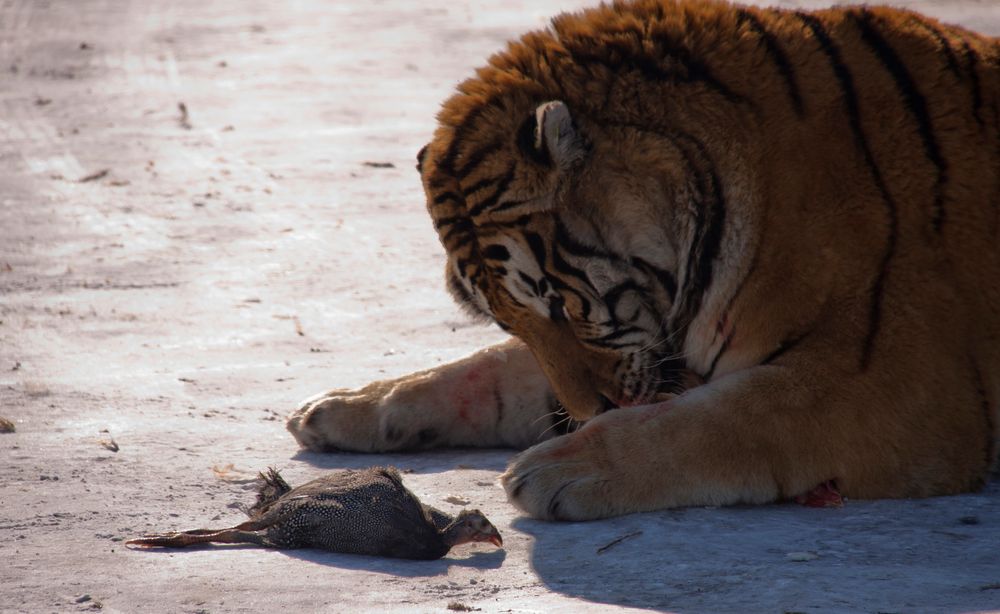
(615, 542)
(185, 119)
(101, 174)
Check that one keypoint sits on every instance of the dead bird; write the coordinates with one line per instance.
(366, 511)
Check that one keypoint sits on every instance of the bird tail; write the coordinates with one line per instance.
(272, 487)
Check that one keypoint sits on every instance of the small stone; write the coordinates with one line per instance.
(801, 557)
(83, 598)
(457, 500)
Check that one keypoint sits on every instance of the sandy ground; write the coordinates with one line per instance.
(193, 238)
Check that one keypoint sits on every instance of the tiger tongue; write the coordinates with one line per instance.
(824, 495)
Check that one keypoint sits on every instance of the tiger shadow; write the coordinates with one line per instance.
(933, 554)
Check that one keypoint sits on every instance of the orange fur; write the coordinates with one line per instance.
(799, 209)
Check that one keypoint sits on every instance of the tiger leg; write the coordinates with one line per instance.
(495, 397)
(765, 434)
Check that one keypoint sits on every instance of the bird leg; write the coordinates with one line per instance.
(181, 539)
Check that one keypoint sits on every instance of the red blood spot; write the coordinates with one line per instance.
(824, 495)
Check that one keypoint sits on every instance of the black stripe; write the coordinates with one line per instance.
(615, 335)
(502, 184)
(783, 347)
(436, 183)
(915, 104)
(664, 277)
(470, 162)
(584, 306)
(446, 196)
(530, 282)
(519, 222)
(943, 43)
(972, 58)
(617, 293)
(463, 228)
(479, 185)
(846, 82)
(510, 205)
(441, 222)
(495, 251)
(462, 264)
(709, 226)
(511, 298)
(498, 399)
(537, 247)
(564, 288)
(447, 163)
(778, 56)
(718, 355)
(570, 245)
(562, 266)
(463, 298)
(619, 59)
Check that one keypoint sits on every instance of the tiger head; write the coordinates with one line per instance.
(542, 225)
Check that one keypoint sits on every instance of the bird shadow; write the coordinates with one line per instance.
(402, 567)
(427, 461)
(478, 559)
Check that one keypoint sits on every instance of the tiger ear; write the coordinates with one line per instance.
(556, 134)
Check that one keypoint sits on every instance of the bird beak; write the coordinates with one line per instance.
(496, 540)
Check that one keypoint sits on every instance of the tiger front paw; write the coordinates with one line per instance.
(338, 420)
(567, 478)
(381, 417)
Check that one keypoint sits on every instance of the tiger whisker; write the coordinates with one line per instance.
(554, 425)
(545, 415)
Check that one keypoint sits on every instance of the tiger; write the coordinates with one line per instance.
(740, 252)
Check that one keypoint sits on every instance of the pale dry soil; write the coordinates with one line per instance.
(191, 241)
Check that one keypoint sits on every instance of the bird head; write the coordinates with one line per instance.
(471, 526)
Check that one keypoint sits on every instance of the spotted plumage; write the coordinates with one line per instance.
(366, 511)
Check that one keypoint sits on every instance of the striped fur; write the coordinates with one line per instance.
(798, 211)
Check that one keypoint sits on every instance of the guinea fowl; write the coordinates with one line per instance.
(366, 511)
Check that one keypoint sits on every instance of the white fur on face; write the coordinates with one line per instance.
(521, 261)
(473, 291)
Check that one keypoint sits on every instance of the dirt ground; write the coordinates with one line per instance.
(208, 213)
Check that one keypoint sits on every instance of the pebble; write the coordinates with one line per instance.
(801, 557)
